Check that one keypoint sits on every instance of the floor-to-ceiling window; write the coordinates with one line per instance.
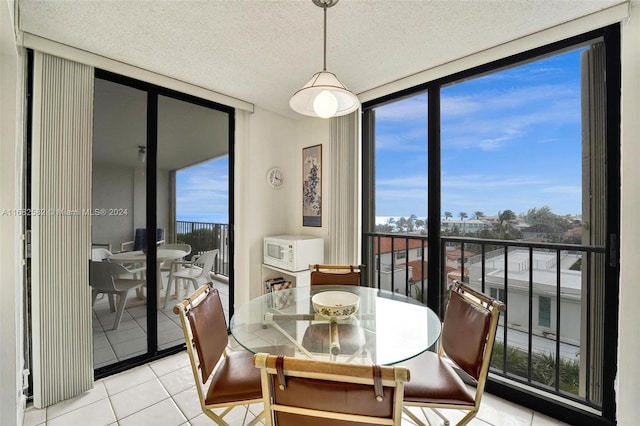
(400, 201)
(508, 175)
(154, 193)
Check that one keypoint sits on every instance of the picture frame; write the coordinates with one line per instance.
(312, 186)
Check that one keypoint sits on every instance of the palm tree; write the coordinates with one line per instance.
(402, 224)
(411, 222)
(392, 224)
(463, 216)
(384, 227)
(505, 222)
(448, 215)
(477, 215)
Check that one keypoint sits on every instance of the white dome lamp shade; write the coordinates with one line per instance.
(324, 95)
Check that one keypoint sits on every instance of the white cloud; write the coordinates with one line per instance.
(455, 106)
(415, 181)
(401, 194)
(482, 182)
(406, 109)
(410, 140)
(569, 190)
(494, 132)
(202, 192)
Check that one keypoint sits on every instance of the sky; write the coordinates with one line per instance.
(510, 140)
(202, 192)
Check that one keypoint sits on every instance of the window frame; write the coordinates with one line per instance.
(436, 292)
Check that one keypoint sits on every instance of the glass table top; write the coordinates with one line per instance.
(387, 328)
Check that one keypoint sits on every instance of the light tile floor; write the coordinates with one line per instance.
(130, 339)
(162, 393)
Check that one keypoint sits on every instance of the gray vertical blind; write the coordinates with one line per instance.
(61, 229)
(594, 207)
(344, 224)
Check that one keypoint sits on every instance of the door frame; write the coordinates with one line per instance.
(153, 92)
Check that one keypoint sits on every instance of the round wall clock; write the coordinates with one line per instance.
(274, 177)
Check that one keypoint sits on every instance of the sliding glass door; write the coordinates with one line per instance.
(119, 201)
(192, 181)
(161, 193)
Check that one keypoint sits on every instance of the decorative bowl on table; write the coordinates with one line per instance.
(335, 305)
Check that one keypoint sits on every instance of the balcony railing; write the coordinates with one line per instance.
(551, 335)
(204, 236)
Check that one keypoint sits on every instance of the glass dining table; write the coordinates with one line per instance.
(386, 329)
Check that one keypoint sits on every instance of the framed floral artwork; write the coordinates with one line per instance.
(312, 186)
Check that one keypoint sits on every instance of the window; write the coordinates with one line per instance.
(497, 293)
(401, 255)
(503, 160)
(544, 311)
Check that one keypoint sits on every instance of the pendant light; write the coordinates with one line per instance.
(324, 95)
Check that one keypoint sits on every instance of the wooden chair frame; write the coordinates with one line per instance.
(319, 274)
(389, 376)
(493, 307)
(182, 310)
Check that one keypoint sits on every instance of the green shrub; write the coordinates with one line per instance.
(543, 367)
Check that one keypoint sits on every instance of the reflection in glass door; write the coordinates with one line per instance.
(118, 216)
(192, 196)
(161, 199)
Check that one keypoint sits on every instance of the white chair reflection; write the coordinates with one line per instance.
(107, 278)
(168, 265)
(196, 272)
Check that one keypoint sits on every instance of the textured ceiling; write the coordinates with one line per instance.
(262, 51)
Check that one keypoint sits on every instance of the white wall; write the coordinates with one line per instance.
(628, 387)
(112, 188)
(313, 131)
(271, 140)
(123, 187)
(12, 401)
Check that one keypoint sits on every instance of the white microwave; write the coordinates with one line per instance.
(293, 252)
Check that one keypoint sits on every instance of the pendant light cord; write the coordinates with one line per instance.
(325, 38)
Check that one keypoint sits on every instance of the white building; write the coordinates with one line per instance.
(471, 226)
(545, 297)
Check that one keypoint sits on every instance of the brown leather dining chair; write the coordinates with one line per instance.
(310, 392)
(467, 338)
(336, 274)
(230, 376)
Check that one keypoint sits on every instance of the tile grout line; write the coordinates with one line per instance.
(109, 395)
(169, 393)
(47, 419)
